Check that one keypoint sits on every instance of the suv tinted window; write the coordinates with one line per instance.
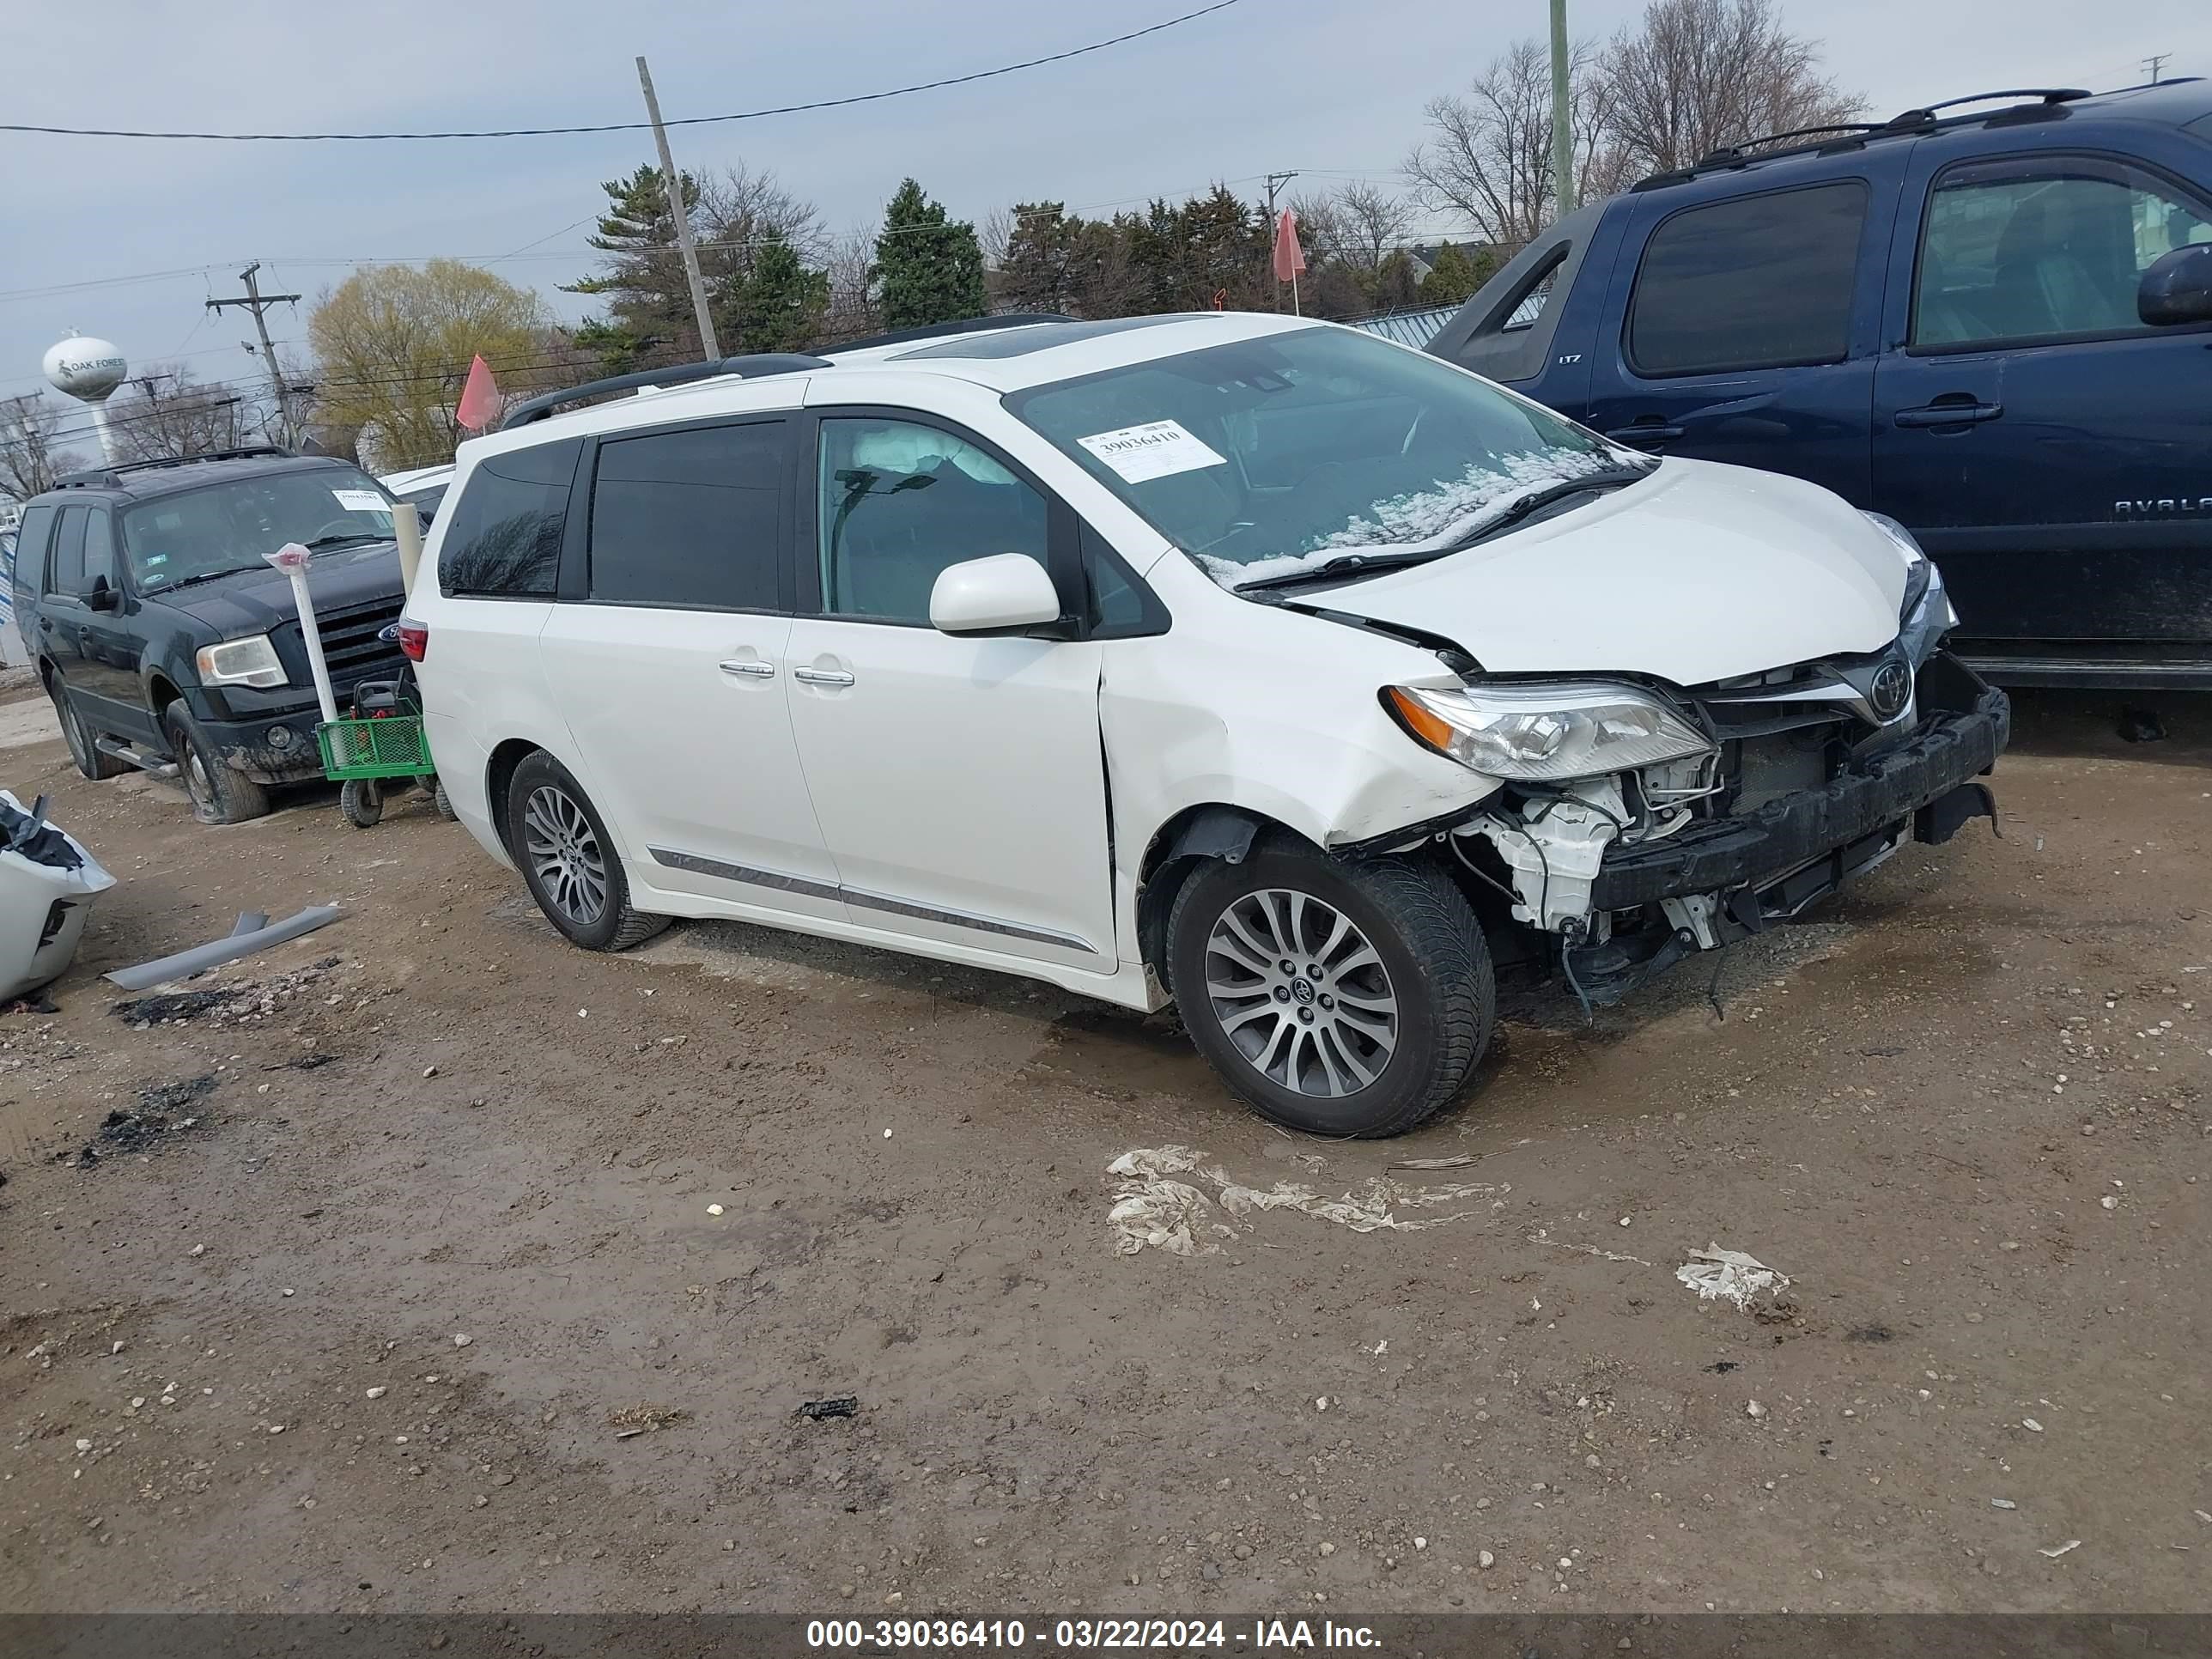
(1757, 283)
(900, 502)
(2029, 249)
(99, 550)
(31, 547)
(65, 574)
(503, 540)
(690, 518)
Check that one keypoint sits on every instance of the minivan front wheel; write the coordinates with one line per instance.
(571, 863)
(1345, 1000)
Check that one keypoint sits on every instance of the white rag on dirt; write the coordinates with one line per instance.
(1152, 1208)
(1730, 1276)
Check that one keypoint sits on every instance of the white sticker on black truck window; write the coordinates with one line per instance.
(361, 501)
(1158, 449)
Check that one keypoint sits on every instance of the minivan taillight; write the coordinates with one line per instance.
(414, 640)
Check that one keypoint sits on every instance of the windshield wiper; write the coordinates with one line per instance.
(349, 537)
(1343, 565)
(1518, 511)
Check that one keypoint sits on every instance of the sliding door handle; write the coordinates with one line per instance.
(751, 669)
(822, 675)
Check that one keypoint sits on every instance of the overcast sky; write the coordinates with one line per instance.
(1331, 86)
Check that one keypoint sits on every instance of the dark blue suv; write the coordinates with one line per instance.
(1995, 326)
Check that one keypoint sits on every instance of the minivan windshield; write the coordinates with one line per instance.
(223, 527)
(1272, 457)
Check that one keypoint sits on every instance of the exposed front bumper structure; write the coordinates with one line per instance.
(1967, 725)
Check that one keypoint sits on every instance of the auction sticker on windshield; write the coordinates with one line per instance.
(1158, 449)
(361, 500)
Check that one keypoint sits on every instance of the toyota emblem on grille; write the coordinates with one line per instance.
(1890, 690)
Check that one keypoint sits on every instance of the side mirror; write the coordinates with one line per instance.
(2178, 287)
(103, 596)
(1005, 593)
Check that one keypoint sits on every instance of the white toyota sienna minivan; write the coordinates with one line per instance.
(1249, 663)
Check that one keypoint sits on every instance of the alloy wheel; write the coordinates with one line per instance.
(1300, 993)
(565, 855)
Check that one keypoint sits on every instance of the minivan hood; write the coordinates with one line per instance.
(256, 600)
(1699, 573)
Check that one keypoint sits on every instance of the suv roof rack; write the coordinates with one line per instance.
(111, 478)
(750, 367)
(1851, 133)
(965, 326)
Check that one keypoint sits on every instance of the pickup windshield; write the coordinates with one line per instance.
(1269, 458)
(222, 527)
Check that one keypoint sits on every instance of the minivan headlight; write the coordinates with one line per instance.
(1544, 731)
(251, 661)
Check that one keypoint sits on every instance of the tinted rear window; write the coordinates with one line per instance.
(1757, 283)
(31, 545)
(503, 538)
(690, 518)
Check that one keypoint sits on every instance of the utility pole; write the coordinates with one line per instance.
(1275, 183)
(256, 301)
(1563, 136)
(709, 347)
(2155, 63)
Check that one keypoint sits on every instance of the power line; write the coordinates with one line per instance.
(636, 126)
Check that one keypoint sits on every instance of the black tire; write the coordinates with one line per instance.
(445, 802)
(219, 794)
(1432, 969)
(574, 854)
(96, 763)
(362, 801)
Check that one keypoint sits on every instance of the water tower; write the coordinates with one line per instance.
(88, 370)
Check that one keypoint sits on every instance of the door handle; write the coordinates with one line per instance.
(758, 670)
(1964, 412)
(1644, 433)
(822, 675)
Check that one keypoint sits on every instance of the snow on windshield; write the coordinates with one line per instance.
(1421, 518)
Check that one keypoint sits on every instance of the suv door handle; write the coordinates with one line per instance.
(759, 671)
(1645, 433)
(1964, 412)
(822, 675)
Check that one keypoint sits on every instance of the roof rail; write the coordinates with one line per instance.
(1908, 121)
(1925, 114)
(965, 326)
(110, 476)
(750, 367)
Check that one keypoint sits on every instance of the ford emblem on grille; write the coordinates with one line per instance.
(1890, 690)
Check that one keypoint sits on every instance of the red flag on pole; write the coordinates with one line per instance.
(479, 406)
(1290, 258)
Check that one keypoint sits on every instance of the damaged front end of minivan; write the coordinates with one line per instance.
(1637, 824)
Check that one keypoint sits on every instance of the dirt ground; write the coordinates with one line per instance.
(397, 1286)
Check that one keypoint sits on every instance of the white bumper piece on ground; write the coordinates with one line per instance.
(47, 885)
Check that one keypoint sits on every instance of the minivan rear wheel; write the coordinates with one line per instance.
(570, 860)
(1343, 1000)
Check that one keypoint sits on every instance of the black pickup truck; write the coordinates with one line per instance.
(165, 639)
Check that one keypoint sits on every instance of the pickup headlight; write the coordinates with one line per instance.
(250, 661)
(1926, 614)
(1544, 731)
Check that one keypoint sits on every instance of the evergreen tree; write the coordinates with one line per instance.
(927, 268)
(779, 304)
(649, 304)
(1454, 274)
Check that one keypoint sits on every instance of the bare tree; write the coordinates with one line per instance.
(1359, 226)
(1697, 75)
(165, 414)
(1489, 159)
(30, 458)
(849, 259)
(740, 211)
